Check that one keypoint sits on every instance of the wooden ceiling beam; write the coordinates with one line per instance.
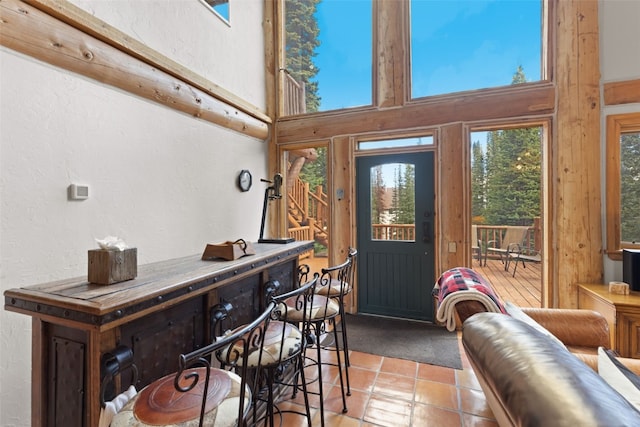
(538, 99)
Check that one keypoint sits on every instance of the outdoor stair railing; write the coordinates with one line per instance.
(308, 212)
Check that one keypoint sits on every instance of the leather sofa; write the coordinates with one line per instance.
(531, 379)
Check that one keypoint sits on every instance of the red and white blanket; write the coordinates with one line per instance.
(463, 284)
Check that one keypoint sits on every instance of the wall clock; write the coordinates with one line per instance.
(244, 180)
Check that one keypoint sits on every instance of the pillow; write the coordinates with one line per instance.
(515, 312)
(619, 377)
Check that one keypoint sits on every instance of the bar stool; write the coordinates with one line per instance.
(338, 287)
(201, 392)
(279, 362)
(319, 311)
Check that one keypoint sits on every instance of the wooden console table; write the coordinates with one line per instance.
(159, 315)
(622, 313)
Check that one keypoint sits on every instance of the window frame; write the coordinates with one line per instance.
(617, 124)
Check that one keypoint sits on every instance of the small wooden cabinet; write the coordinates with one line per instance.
(158, 315)
(622, 313)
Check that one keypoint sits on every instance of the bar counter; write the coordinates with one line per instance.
(161, 313)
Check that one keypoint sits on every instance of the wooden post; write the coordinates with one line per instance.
(576, 210)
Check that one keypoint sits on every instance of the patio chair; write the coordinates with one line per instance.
(512, 242)
(522, 256)
(476, 243)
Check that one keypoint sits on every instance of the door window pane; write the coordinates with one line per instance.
(393, 202)
(469, 44)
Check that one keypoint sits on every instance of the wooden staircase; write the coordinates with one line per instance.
(308, 213)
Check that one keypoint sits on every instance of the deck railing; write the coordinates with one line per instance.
(486, 233)
(294, 96)
(495, 233)
(393, 232)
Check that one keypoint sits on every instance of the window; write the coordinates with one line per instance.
(219, 7)
(396, 143)
(393, 202)
(623, 183)
(466, 45)
(328, 64)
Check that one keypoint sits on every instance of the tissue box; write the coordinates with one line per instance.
(112, 266)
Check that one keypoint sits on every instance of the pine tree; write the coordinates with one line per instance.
(407, 199)
(478, 180)
(513, 170)
(315, 172)
(377, 196)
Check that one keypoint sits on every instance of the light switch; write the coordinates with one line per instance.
(452, 247)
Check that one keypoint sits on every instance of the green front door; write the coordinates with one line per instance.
(395, 223)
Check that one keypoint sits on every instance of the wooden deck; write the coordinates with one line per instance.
(524, 290)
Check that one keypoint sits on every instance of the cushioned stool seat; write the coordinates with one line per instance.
(279, 338)
(320, 307)
(334, 289)
(201, 392)
(160, 404)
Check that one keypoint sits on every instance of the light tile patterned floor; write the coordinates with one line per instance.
(395, 392)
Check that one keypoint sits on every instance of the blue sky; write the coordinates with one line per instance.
(456, 45)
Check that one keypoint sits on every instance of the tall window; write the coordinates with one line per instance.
(328, 63)
(623, 183)
(219, 7)
(468, 44)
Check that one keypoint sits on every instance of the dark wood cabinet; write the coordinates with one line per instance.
(160, 314)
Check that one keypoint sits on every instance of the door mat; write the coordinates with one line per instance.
(403, 339)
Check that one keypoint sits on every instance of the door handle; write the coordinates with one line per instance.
(426, 232)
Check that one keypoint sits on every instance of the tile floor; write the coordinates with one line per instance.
(395, 392)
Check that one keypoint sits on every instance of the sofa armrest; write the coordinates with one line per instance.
(591, 360)
(531, 380)
(574, 327)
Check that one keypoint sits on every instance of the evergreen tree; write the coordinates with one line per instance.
(407, 199)
(395, 197)
(377, 196)
(302, 40)
(315, 172)
(630, 187)
(513, 170)
(519, 76)
(477, 183)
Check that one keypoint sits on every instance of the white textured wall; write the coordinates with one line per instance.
(163, 181)
(184, 30)
(619, 61)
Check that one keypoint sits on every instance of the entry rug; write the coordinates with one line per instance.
(403, 339)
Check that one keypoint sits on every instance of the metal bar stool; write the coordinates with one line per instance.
(283, 361)
(202, 392)
(340, 286)
(319, 311)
